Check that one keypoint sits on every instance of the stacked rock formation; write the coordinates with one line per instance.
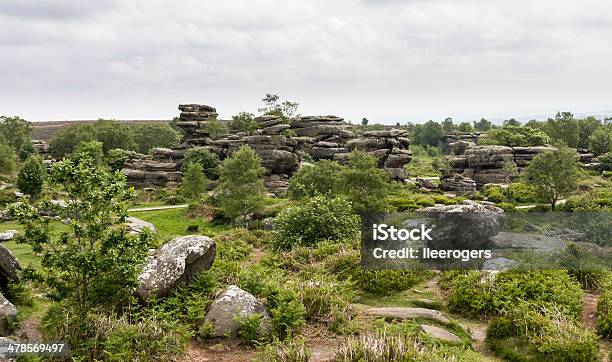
(278, 141)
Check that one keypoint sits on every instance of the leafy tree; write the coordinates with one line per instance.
(515, 136)
(241, 190)
(364, 121)
(273, 106)
(27, 150)
(193, 183)
(149, 136)
(215, 128)
(203, 157)
(563, 128)
(464, 127)
(7, 157)
(65, 140)
(91, 149)
(554, 174)
(94, 263)
(600, 141)
(32, 176)
(606, 161)
(314, 220)
(113, 135)
(364, 183)
(483, 125)
(322, 178)
(428, 134)
(16, 132)
(511, 122)
(588, 126)
(245, 122)
(116, 158)
(447, 125)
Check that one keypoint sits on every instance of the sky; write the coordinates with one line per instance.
(386, 60)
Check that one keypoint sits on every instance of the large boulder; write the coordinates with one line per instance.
(231, 304)
(466, 226)
(9, 267)
(135, 226)
(175, 263)
(8, 316)
(459, 184)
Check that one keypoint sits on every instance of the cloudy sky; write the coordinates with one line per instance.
(387, 60)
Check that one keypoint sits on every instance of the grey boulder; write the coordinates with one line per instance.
(135, 226)
(8, 315)
(9, 267)
(175, 263)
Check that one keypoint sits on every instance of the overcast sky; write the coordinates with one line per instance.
(387, 60)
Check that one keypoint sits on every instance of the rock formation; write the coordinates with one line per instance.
(281, 144)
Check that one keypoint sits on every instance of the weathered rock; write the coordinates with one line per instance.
(488, 156)
(9, 267)
(498, 264)
(439, 333)
(467, 226)
(7, 235)
(405, 313)
(8, 315)
(526, 242)
(135, 226)
(175, 263)
(228, 307)
(458, 184)
(426, 183)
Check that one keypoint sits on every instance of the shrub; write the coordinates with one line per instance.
(241, 191)
(15, 132)
(8, 158)
(32, 176)
(208, 160)
(322, 178)
(116, 158)
(514, 136)
(365, 184)
(604, 309)
(293, 350)
(314, 220)
(541, 333)
(215, 128)
(522, 193)
(507, 206)
(149, 136)
(91, 149)
(606, 161)
(249, 328)
(494, 193)
(193, 183)
(244, 122)
(600, 141)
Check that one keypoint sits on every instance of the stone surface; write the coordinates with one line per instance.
(135, 226)
(441, 334)
(8, 235)
(458, 184)
(231, 304)
(498, 264)
(526, 242)
(8, 315)
(9, 267)
(406, 313)
(175, 263)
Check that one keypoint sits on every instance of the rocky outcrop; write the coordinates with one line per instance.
(175, 263)
(455, 141)
(9, 267)
(8, 316)
(225, 312)
(7, 235)
(458, 184)
(135, 226)
(279, 142)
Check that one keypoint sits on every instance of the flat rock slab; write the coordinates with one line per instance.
(524, 241)
(439, 333)
(7, 235)
(8, 315)
(135, 226)
(403, 313)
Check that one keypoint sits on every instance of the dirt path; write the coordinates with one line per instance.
(589, 309)
(155, 208)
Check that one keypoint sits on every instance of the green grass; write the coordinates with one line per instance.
(405, 298)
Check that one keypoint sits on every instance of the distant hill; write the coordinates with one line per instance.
(44, 130)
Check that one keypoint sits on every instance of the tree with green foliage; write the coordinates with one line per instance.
(588, 126)
(16, 133)
(149, 136)
(273, 106)
(32, 176)
(66, 139)
(245, 122)
(512, 122)
(364, 121)
(515, 136)
(554, 174)
(428, 134)
(215, 128)
(324, 177)
(91, 149)
(600, 141)
(193, 183)
(8, 158)
(241, 190)
(483, 125)
(116, 158)
(113, 134)
(563, 129)
(95, 262)
(465, 127)
(447, 125)
(365, 184)
(203, 157)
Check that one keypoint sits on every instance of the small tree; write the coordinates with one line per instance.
(91, 149)
(7, 158)
(16, 132)
(203, 157)
(554, 174)
(148, 136)
(245, 122)
(428, 134)
(273, 106)
(215, 128)
(600, 141)
(365, 183)
(95, 263)
(193, 183)
(364, 122)
(241, 190)
(322, 178)
(116, 158)
(483, 125)
(32, 176)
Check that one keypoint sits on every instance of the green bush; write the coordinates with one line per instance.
(507, 206)
(249, 328)
(8, 158)
(604, 309)
(314, 220)
(473, 293)
(526, 333)
(31, 176)
(514, 136)
(521, 193)
(493, 193)
(322, 178)
(293, 350)
(116, 158)
(202, 156)
(193, 182)
(606, 161)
